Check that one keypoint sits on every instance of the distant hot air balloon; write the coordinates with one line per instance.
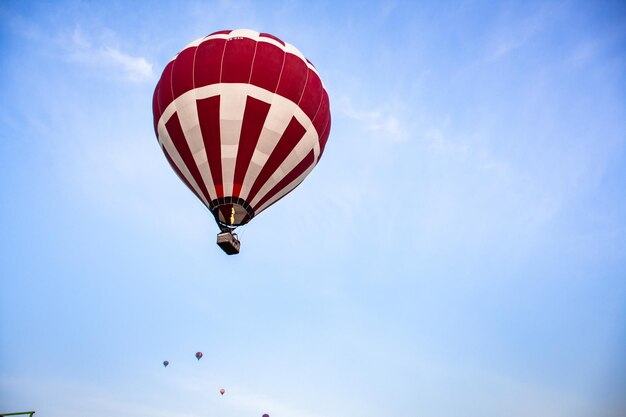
(198, 355)
(242, 118)
(165, 363)
(266, 415)
(222, 391)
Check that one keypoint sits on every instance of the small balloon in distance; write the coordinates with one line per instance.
(165, 363)
(222, 391)
(198, 355)
(265, 415)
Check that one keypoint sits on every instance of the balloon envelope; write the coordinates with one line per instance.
(165, 363)
(222, 391)
(266, 415)
(242, 118)
(198, 355)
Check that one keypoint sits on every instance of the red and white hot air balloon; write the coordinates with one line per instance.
(242, 117)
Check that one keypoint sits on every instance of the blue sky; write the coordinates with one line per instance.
(460, 250)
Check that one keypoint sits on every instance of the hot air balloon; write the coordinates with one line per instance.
(165, 363)
(266, 415)
(198, 355)
(222, 391)
(242, 118)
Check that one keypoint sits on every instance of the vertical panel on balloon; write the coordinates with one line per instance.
(312, 96)
(268, 63)
(209, 116)
(285, 190)
(293, 78)
(322, 115)
(308, 142)
(182, 72)
(324, 137)
(291, 176)
(208, 62)
(237, 61)
(156, 112)
(232, 107)
(277, 120)
(178, 173)
(322, 121)
(187, 112)
(288, 141)
(253, 121)
(165, 87)
(180, 143)
(166, 141)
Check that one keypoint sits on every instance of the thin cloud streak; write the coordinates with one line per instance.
(517, 36)
(82, 50)
(375, 120)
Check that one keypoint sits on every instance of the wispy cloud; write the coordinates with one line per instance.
(103, 53)
(591, 49)
(375, 120)
(471, 146)
(513, 37)
(438, 142)
(98, 50)
(136, 68)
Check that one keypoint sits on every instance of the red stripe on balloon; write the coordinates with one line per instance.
(268, 64)
(156, 113)
(290, 138)
(165, 87)
(179, 174)
(209, 118)
(237, 60)
(321, 122)
(295, 173)
(324, 137)
(312, 95)
(293, 78)
(254, 117)
(182, 72)
(180, 143)
(208, 62)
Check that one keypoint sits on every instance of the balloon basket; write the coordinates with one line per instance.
(228, 242)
